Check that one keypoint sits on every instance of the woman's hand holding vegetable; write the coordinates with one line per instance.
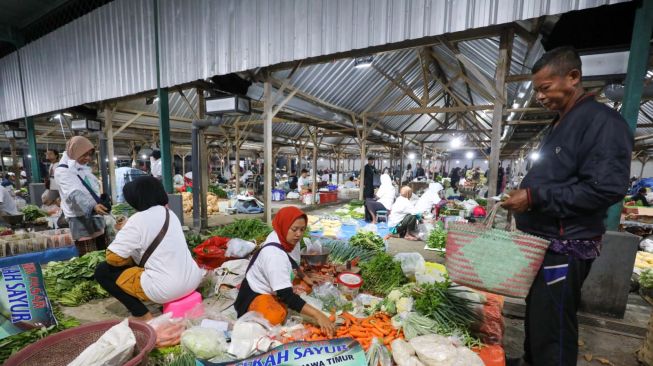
(323, 321)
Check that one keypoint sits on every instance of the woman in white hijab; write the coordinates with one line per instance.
(430, 198)
(385, 197)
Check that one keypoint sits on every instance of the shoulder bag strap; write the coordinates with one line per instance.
(156, 241)
(90, 190)
(293, 263)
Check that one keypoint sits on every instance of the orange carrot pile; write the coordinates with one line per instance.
(362, 330)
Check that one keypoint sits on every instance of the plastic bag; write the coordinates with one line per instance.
(313, 246)
(239, 248)
(248, 335)
(404, 354)
(492, 326)
(647, 244)
(492, 355)
(204, 343)
(378, 354)
(436, 350)
(114, 348)
(411, 263)
(369, 227)
(423, 230)
(168, 330)
(330, 295)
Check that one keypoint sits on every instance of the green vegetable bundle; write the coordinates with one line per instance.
(342, 252)
(122, 209)
(367, 240)
(481, 202)
(246, 229)
(382, 274)
(221, 193)
(646, 279)
(437, 239)
(32, 213)
(15, 343)
(440, 302)
(71, 283)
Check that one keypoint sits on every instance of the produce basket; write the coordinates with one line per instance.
(499, 261)
(62, 348)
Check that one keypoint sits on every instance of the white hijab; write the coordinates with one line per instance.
(386, 191)
(429, 198)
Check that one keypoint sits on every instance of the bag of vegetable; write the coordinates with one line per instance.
(204, 343)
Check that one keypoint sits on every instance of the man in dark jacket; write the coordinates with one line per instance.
(583, 169)
(368, 190)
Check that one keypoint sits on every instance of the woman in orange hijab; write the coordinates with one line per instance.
(267, 287)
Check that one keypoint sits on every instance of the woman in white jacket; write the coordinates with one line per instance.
(80, 190)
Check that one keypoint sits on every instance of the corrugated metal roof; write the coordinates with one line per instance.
(11, 102)
(109, 53)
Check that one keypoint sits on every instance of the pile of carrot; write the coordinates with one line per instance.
(362, 330)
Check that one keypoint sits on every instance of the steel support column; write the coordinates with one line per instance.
(31, 139)
(637, 64)
(267, 151)
(164, 112)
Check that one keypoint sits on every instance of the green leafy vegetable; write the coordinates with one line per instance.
(440, 302)
(481, 202)
(32, 213)
(71, 283)
(646, 278)
(415, 325)
(15, 343)
(246, 229)
(382, 274)
(437, 239)
(193, 240)
(221, 193)
(122, 209)
(367, 240)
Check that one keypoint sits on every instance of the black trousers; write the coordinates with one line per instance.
(409, 223)
(371, 206)
(107, 275)
(551, 323)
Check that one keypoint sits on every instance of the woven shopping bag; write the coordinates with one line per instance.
(500, 261)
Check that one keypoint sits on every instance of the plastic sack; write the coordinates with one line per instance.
(369, 227)
(204, 343)
(411, 263)
(114, 348)
(168, 330)
(229, 274)
(248, 331)
(647, 244)
(239, 248)
(378, 354)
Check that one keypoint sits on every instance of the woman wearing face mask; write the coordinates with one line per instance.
(267, 287)
(80, 190)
